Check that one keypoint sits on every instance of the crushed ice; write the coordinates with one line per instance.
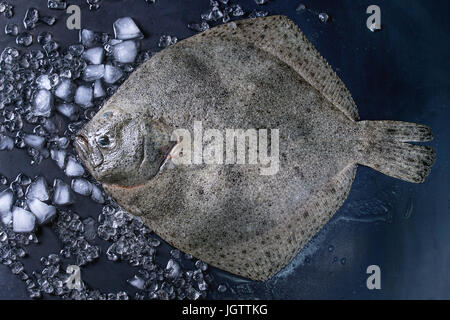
(46, 95)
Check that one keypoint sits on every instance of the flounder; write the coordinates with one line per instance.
(251, 74)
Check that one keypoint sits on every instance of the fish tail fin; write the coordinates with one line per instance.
(383, 147)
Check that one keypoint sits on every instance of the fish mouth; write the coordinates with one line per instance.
(89, 155)
(82, 146)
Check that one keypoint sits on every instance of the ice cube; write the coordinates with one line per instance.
(88, 38)
(112, 74)
(59, 156)
(125, 29)
(62, 142)
(83, 96)
(98, 89)
(125, 52)
(34, 141)
(82, 186)
(6, 143)
(6, 217)
(65, 90)
(42, 102)
(76, 49)
(38, 189)
(93, 72)
(42, 211)
(97, 194)
(43, 82)
(68, 110)
(44, 37)
(261, 1)
(62, 195)
(12, 29)
(73, 168)
(23, 220)
(50, 126)
(94, 55)
(237, 10)
(6, 201)
(222, 288)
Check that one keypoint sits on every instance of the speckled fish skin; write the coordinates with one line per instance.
(258, 73)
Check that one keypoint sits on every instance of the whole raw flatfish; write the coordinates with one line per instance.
(261, 78)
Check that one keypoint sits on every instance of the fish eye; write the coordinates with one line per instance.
(104, 141)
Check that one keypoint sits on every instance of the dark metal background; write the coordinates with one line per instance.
(400, 73)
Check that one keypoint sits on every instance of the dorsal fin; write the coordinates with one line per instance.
(282, 38)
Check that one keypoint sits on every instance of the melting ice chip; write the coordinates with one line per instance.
(43, 99)
(90, 229)
(73, 168)
(59, 156)
(93, 72)
(173, 269)
(68, 110)
(82, 186)
(98, 89)
(125, 29)
(257, 14)
(112, 74)
(137, 282)
(94, 55)
(31, 18)
(301, 7)
(65, 90)
(323, 17)
(84, 96)
(6, 201)
(23, 220)
(6, 143)
(97, 194)
(213, 14)
(62, 194)
(34, 141)
(198, 26)
(125, 52)
(42, 211)
(38, 189)
(56, 4)
(166, 41)
(24, 39)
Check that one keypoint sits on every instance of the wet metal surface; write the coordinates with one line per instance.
(399, 73)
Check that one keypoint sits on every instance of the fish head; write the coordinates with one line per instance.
(122, 148)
